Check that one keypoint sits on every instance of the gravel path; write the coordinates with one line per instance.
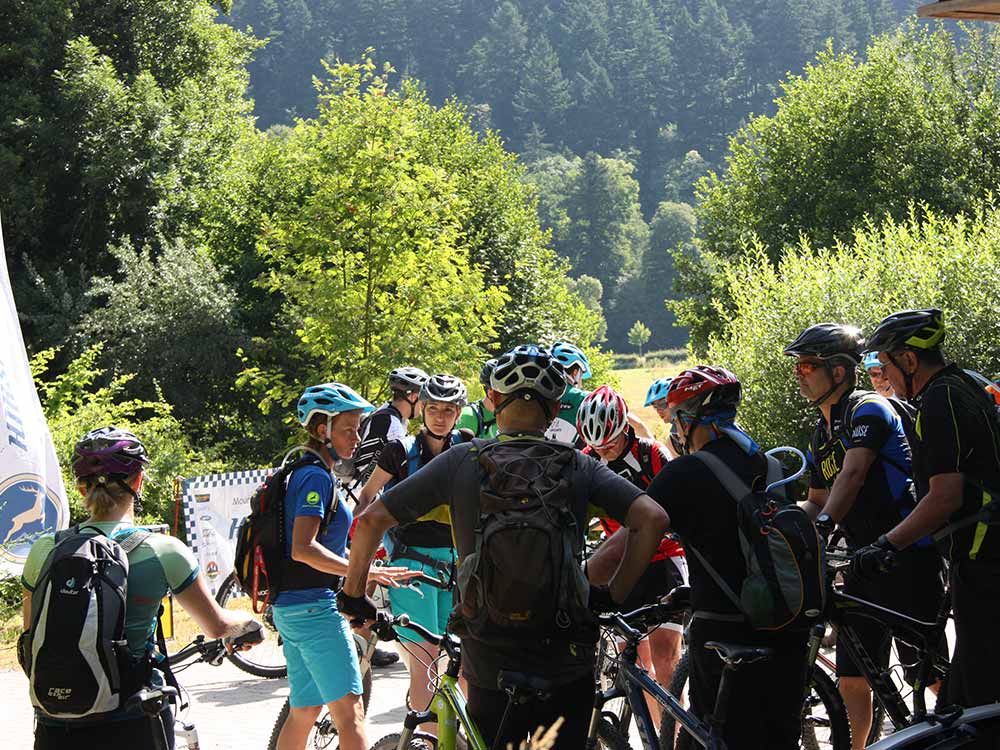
(232, 710)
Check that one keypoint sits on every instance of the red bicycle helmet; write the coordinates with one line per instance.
(704, 390)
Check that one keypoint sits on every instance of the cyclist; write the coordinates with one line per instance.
(526, 386)
(319, 648)
(880, 382)
(426, 544)
(389, 421)
(602, 423)
(956, 457)
(577, 367)
(478, 416)
(109, 465)
(766, 701)
(861, 480)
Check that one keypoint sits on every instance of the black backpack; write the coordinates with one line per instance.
(260, 563)
(75, 653)
(524, 580)
(785, 583)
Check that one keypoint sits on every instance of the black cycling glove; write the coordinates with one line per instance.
(358, 608)
(600, 601)
(876, 558)
(825, 526)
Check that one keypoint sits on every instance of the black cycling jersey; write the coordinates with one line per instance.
(863, 419)
(384, 424)
(957, 430)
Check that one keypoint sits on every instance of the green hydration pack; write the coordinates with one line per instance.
(524, 580)
(785, 582)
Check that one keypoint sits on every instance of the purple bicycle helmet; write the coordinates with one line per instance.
(108, 451)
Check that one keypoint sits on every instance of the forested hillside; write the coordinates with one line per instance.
(616, 106)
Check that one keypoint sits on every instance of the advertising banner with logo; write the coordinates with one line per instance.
(32, 496)
(214, 505)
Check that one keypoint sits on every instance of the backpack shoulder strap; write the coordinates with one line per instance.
(134, 538)
(735, 486)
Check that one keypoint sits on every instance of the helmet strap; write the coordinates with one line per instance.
(907, 377)
(327, 442)
(136, 496)
(829, 368)
(430, 432)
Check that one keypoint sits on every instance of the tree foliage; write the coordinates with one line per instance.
(913, 121)
(925, 260)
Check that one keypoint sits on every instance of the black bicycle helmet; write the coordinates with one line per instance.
(909, 329)
(484, 375)
(828, 341)
(529, 369)
(446, 389)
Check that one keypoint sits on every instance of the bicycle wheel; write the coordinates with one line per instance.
(418, 741)
(605, 673)
(824, 718)
(609, 737)
(266, 659)
(324, 733)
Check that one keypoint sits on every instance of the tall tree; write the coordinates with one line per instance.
(543, 95)
(496, 63)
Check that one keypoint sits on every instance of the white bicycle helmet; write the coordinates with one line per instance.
(407, 379)
(446, 389)
(602, 417)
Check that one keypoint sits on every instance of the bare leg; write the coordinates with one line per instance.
(858, 700)
(348, 715)
(420, 694)
(295, 730)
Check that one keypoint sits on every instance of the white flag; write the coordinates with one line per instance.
(32, 496)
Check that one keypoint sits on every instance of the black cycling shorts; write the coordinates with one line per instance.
(916, 589)
(660, 578)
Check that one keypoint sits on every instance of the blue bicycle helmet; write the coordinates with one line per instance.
(658, 390)
(871, 360)
(330, 399)
(569, 356)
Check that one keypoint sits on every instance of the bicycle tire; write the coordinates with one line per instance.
(419, 741)
(324, 732)
(608, 736)
(266, 659)
(834, 734)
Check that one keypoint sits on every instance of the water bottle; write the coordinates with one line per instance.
(188, 733)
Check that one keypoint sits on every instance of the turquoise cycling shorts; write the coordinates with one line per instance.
(431, 606)
(320, 651)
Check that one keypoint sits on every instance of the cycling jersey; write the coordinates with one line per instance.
(863, 419)
(479, 420)
(563, 427)
(310, 492)
(384, 424)
(159, 564)
(640, 461)
(957, 432)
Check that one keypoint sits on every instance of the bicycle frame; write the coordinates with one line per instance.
(450, 709)
(631, 683)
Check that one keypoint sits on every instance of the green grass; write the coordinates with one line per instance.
(633, 385)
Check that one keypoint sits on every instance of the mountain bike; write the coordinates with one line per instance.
(154, 699)
(826, 709)
(267, 659)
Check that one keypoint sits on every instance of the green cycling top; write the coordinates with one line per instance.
(563, 428)
(479, 419)
(160, 563)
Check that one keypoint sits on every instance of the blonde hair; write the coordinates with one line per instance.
(103, 494)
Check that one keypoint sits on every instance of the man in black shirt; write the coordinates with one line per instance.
(766, 702)
(956, 465)
(860, 479)
(526, 386)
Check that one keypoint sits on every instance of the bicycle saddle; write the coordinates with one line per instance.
(733, 653)
(510, 681)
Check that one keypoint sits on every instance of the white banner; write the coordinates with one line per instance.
(214, 505)
(32, 496)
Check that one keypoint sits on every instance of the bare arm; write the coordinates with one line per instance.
(378, 479)
(214, 621)
(942, 499)
(372, 524)
(646, 522)
(641, 430)
(605, 561)
(307, 549)
(814, 502)
(849, 481)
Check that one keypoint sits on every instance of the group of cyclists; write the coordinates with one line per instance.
(890, 468)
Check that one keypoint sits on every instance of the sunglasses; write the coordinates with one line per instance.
(807, 367)
(876, 373)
